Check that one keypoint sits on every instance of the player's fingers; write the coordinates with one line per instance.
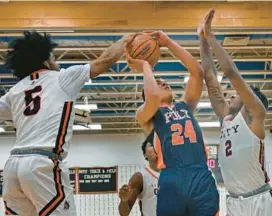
(211, 15)
(122, 192)
(155, 34)
(207, 16)
(128, 57)
(124, 186)
(149, 31)
(131, 37)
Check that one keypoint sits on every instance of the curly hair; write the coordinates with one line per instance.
(28, 54)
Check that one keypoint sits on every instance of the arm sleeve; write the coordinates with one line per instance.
(72, 79)
(5, 111)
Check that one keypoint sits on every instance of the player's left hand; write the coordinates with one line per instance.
(129, 38)
(136, 65)
(162, 37)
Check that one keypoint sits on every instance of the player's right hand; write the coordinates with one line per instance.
(136, 65)
(207, 23)
(124, 193)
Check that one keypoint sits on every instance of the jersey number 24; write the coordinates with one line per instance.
(33, 104)
(178, 133)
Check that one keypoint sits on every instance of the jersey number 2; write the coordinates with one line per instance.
(228, 148)
(177, 130)
(33, 104)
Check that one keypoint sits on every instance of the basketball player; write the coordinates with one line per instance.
(242, 131)
(142, 185)
(36, 181)
(186, 186)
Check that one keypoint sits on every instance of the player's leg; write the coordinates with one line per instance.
(169, 199)
(261, 204)
(46, 183)
(15, 201)
(257, 205)
(267, 203)
(204, 196)
(236, 206)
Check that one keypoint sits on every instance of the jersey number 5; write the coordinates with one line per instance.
(228, 148)
(177, 130)
(33, 104)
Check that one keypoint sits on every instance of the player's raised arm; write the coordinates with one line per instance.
(109, 56)
(250, 100)
(5, 112)
(195, 83)
(216, 95)
(129, 193)
(151, 90)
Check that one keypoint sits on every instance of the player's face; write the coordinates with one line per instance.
(235, 103)
(167, 97)
(150, 153)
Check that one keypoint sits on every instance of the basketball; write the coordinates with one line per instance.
(145, 47)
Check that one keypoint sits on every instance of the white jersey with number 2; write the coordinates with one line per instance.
(241, 156)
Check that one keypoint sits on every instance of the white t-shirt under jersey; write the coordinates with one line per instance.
(41, 107)
(241, 156)
(148, 197)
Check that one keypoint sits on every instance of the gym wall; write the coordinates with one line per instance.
(110, 150)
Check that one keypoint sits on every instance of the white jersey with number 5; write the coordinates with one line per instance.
(148, 197)
(241, 156)
(41, 107)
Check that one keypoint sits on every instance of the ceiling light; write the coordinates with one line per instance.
(209, 124)
(204, 104)
(86, 107)
(88, 83)
(95, 126)
(186, 78)
(219, 78)
(2, 130)
(89, 127)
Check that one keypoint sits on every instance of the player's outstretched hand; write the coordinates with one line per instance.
(162, 38)
(136, 65)
(206, 25)
(124, 193)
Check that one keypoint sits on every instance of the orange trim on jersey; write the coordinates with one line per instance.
(65, 118)
(56, 201)
(261, 160)
(207, 152)
(160, 164)
(151, 173)
(230, 118)
(35, 74)
(8, 211)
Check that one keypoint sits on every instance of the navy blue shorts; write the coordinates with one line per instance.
(189, 191)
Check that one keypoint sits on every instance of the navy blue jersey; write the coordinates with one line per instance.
(181, 140)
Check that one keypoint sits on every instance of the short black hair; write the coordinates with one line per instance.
(261, 96)
(148, 139)
(27, 54)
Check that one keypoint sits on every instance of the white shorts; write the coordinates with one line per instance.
(37, 185)
(258, 205)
